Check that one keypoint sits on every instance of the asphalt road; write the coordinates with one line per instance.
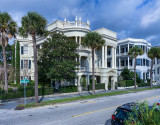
(87, 112)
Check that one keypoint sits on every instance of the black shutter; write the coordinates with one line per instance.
(21, 64)
(21, 50)
(29, 64)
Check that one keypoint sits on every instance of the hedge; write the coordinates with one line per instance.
(30, 91)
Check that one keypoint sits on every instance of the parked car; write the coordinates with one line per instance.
(122, 113)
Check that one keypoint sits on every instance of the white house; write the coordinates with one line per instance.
(156, 67)
(124, 60)
(105, 58)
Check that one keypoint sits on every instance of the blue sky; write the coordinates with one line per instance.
(129, 18)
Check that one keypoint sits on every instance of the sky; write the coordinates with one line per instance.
(129, 18)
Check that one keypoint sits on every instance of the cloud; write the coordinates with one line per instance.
(129, 18)
(152, 15)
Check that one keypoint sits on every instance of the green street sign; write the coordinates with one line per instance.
(25, 80)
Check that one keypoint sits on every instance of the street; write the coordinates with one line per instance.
(96, 111)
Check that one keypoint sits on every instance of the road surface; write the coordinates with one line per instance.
(96, 111)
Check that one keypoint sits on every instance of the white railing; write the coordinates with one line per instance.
(84, 48)
(72, 24)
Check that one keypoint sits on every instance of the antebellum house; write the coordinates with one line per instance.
(157, 69)
(105, 58)
(124, 60)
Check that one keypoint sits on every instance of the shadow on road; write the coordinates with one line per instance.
(108, 122)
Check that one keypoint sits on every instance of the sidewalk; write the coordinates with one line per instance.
(12, 103)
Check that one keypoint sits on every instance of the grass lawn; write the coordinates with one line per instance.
(52, 102)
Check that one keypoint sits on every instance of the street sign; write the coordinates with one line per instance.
(25, 80)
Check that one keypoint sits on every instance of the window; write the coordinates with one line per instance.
(25, 63)
(122, 50)
(144, 63)
(138, 62)
(109, 52)
(122, 62)
(126, 49)
(24, 49)
(147, 61)
(108, 64)
(130, 62)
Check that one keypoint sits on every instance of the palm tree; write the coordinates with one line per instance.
(8, 29)
(153, 53)
(134, 52)
(93, 40)
(33, 24)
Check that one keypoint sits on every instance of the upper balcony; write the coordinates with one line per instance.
(76, 24)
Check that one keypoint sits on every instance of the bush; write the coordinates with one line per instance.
(145, 115)
(122, 83)
(31, 83)
(129, 83)
(13, 85)
(83, 83)
(66, 89)
(97, 86)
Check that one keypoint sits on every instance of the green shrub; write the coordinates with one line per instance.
(10, 90)
(83, 83)
(66, 89)
(129, 83)
(122, 83)
(31, 83)
(97, 86)
(145, 115)
(13, 85)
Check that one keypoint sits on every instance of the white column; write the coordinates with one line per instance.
(105, 57)
(112, 49)
(88, 80)
(76, 39)
(79, 84)
(119, 62)
(128, 47)
(79, 61)
(119, 49)
(115, 58)
(102, 56)
(80, 40)
(128, 62)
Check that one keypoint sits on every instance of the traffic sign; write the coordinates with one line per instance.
(25, 80)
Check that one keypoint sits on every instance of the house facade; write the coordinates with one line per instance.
(105, 57)
(156, 67)
(124, 60)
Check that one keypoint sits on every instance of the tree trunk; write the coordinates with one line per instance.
(135, 72)
(35, 68)
(5, 67)
(151, 72)
(93, 81)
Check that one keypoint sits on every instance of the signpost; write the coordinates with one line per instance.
(24, 82)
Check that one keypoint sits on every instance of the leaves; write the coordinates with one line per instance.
(8, 28)
(93, 40)
(135, 51)
(154, 53)
(57, 58)
(33, 23)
